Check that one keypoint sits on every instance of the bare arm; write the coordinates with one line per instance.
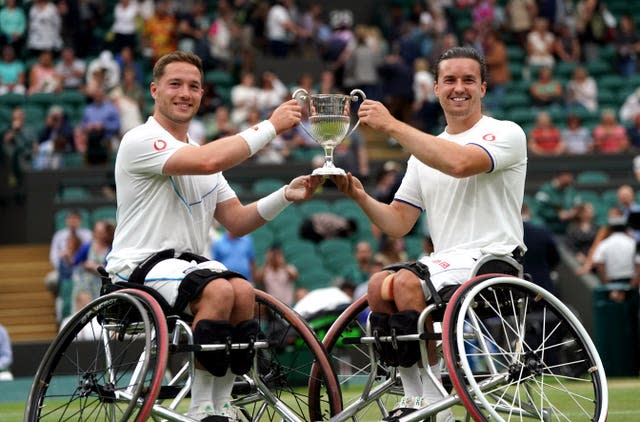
(227, 152)
(448, 157)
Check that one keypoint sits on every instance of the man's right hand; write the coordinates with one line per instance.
(349, 185)
(286, 116)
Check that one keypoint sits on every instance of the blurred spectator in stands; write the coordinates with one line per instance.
(6, 355)
(361, 66)
(628, 205)
(221, 125)
(271, 93)
(339, 45)
(55, 139)
(132, 90)
(609, 136)
(387, 181)
(540, 43)
(397, 86)
(545, 90)
(326, 225)
(192, 31)
(351, 155)
(129, 98)
(90, 256)
(316, 29)
(327, 83)
(277, 276)
(90, 331)
(99, 127)
(126, 60)
(447, 41)
(18, 141)
(275, 152)
(542, 255)
(581, 231)
(361, 271)
(576, 137)
(13, 25)
(159, 36)
(110, 69)
(244, 97)
(43, 76)
(71, 70)
(306, 82)
(627, 43)
(391, 250)
(614, 258)
(471, 38)
(633, 133)
(426, 107)
(631, 106)
(124, 27)
(613, 214)
(566, 47)
(557, 200)
(65, 267)
(499, 75)
(236, 253)
(45, 27)
(280, 28)
(582, 90)
(545, 138)
(12, 72)
(594, 26)
(223, 36)
(521, 14)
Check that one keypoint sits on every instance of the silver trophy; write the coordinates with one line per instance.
(329, 118)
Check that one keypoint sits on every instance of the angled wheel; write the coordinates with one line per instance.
(106, 364)
(369, 391)
(516, 352)
(283, 370)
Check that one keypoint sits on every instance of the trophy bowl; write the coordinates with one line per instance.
(329, 119)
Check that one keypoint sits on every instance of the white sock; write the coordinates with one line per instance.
(222, 387)
(200, 389)
(411, 380)
(429, 390)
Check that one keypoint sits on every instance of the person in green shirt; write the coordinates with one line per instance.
(557, 201)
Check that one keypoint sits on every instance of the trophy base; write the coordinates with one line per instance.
(329, 171)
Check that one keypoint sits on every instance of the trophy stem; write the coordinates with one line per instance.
(328, 156)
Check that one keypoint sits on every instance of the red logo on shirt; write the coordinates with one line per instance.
(489, 137)
(256, 128)
(443, 264)
(159, 145)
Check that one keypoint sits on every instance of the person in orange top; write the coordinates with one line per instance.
(610, 136)
(545, 138)
(160, 31)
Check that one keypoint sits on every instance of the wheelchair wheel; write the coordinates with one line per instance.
(365, 397)
(106, 363)
(514, 351)
(284, 368)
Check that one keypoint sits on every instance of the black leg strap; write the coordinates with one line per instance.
(139, 274)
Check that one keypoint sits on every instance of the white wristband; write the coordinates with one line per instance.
(259, 135)
(273, 204)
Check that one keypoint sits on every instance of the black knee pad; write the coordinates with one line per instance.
(402, 323)
(242, 359)
(213, 332)
(380, 328)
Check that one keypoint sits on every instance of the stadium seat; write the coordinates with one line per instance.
(335, 246)
(313, 206)
(103, 213)
(266, 186)
(12, 100)
(61, 215)
(516, 99)
(592, 177)
(414, 246)
(73, 194)
(219, 78)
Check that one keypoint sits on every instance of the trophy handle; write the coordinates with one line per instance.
(301, 94)
(355, 96)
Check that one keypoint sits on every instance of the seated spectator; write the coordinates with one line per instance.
(126, 60)
(124, 27)
(12, 72)
(576, 137)
(582, 90)
(631, 106)
(557, 201)
(108, 66)
(277, 276)
(270, 94)
(89, 257)
(221, 126)
(498, 73)
(609, 136)
(55, 139)
(426, 107)
(540, 43)
(71, 70)
(627, 44)
(6, 355)
(275, 152)
(159, 35)
(391, 250)
(129, 98)
(361, 271)
(546, 91)
(17, 145)
(628, 205)
(65, 267)
(43, 76)
(633, 132)
(566, 47)
(244, 96)
(545, 138)
(521, 15)
(582, 231)
(222, 37)
(542, 255)
(99, 128)
(327, 225)
(236, 253)
(45, 27)
(13, 25)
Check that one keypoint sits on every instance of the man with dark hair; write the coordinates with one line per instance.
(469, 181)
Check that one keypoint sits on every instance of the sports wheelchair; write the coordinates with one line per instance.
(508, 350)
(128, 356)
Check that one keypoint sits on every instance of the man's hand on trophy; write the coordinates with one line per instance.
(302, 188)
(286, 116)
(375, 115)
